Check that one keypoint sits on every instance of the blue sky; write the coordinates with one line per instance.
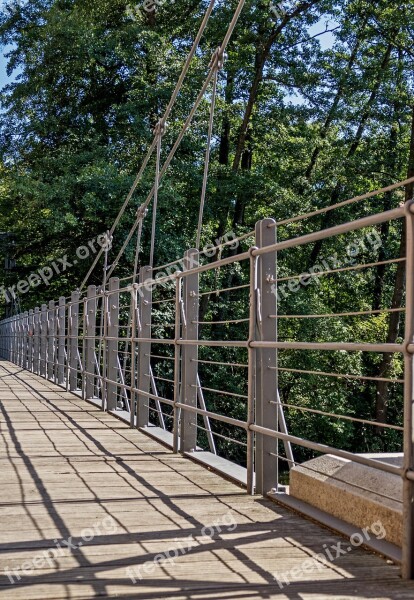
(3, 76)
(3, 63)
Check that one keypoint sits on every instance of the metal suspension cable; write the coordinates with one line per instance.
(217, 65)
(171, 103)
(144, 207)
(160, 129)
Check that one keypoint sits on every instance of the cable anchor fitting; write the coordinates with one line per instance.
(142, 212)
(160, 128)
(218, 58)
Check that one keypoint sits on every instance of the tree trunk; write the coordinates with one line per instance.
(224, 148)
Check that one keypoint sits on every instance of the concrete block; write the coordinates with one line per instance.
(355, 493)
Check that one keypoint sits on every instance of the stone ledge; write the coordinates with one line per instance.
(355, 493)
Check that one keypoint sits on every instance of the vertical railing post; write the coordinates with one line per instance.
(251, 376)
(25, 339)
(73, 341)
(189, 353)
(267, 462)
(408, 464)
(135, 330)
(30, 342)
(16, 340)
(4, 340)
(90, 321)
(51, 340)
(12, 340)
(177, 361)
(36, 341)
(43, 340)
(10, 343)
(7, 341)
(19, 340)
(112, 344)
(144, 348)
(61, 341)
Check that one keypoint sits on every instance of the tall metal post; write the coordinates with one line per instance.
(90, 322)
(19, 340)
(251, 377)
(61, 340)
(408, 466)
(51, 340)
(25, 339)
(135, 327)
(144, 347)
(16, 339)
(13, 340)
(30, 341)
(189, 353)
(112, 343)
(177, 363)
(43, 340)
(73, 341)
(267, 449)
(36, 341)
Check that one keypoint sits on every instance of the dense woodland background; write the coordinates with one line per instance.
(300, 125)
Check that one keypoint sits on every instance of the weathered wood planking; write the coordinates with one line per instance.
(69, 471)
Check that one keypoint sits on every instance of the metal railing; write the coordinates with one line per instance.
(143, 350)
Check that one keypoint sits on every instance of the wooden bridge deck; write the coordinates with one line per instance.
(87, 504)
